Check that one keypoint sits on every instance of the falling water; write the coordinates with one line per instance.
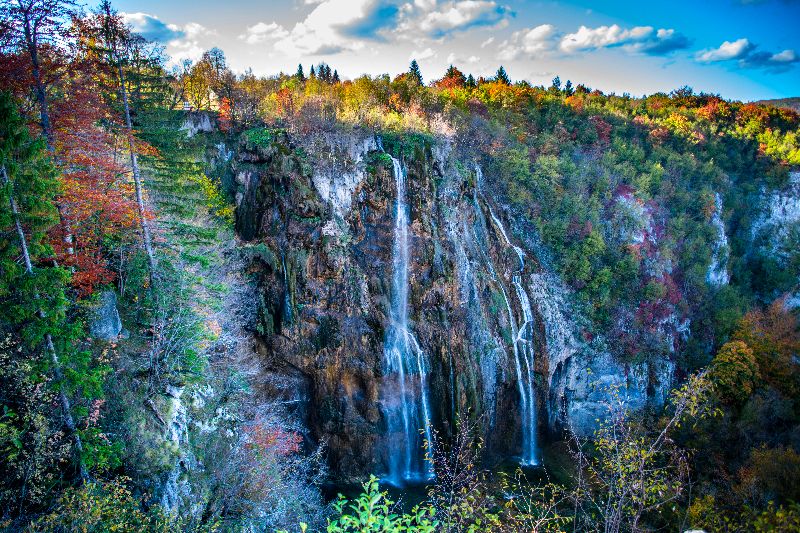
(522, 341)
(405, 394)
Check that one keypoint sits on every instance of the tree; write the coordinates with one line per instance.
(415, 75)
(452, 79)
(28, 181)
(470, 81)
(735, 371)
(300, 75)
(568, 90)
(501, 76)
(119, 44)
(37, 23)
(34, 24)
(774, 338)
(312, 74)
(335, 78)
(556, 86)
(634, 468)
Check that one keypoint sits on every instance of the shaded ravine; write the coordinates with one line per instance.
(404, 388)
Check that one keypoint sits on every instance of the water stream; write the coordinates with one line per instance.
(522, 338)
(405, 387)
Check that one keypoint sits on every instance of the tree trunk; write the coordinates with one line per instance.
(137, 177)
(50, 347)
(31, 43)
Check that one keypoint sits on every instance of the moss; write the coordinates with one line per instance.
(328, 333)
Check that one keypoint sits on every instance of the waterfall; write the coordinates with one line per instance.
(405, 387)
(522, 339)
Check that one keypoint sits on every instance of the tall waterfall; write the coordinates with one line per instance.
(522, 340)
(405, 387)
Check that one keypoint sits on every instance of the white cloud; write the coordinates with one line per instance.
(487, 42)
(787, 56)
(532, 42)
(188, 42)
(337, 25)
(737, 49)
(460, 15)
(424, 54)
(261, 32)
(151, 27)
(436, 20)
(600, 37)
(746, 55)
(453, 59)
(641, 39)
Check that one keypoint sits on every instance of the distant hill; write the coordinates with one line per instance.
(789, 103)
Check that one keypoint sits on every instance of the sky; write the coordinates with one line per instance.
(741, 49)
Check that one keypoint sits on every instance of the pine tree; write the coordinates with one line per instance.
(335, 78)
(556, 84)
(300, 75)
(471, 81)
(118, 44)
(414, 73)
(34, 299)
(568, 90)
(502, 76)
(311, 74)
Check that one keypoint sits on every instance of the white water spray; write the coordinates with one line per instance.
(405, 390)
(522, 341)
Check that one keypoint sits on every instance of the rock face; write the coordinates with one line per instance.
(781, 216)
(494, 323)
(196, 122)
(105, 323)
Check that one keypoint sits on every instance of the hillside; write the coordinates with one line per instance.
(787, 103)
(302, 303)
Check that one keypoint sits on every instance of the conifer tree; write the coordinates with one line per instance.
(119, 43)
(300, 75)
(414, 72)
(502, 76)
(34, 298)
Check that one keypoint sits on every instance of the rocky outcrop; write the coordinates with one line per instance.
(780, 217)
(198, 122)
(317, 212)
(105, 323)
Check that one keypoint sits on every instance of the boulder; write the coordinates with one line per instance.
(105, 323)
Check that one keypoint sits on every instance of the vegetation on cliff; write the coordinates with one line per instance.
(172, 423)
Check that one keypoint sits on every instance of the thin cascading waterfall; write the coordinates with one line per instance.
(522, 340)
(405, 387)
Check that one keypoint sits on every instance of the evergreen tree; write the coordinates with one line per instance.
(471, 81)
(414, 73)
(568, 90)
(300, 75)
(33, 297)
(312, 74)
(335, 78)
(556, 84)
(502, 76)
(29, 182)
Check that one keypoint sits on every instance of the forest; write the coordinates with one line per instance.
(301, 302)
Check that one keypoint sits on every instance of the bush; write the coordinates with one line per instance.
(735, 371)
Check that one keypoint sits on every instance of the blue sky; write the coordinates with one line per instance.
(742, 49)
